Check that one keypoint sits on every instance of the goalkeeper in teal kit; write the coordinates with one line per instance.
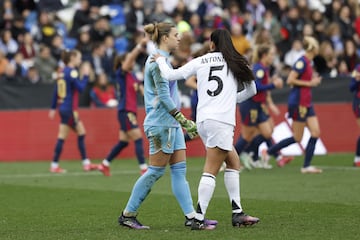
(163, 127)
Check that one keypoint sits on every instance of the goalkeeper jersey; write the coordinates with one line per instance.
(160, 95)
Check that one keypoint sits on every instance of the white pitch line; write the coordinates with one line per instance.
(45, 175)
(95, 173)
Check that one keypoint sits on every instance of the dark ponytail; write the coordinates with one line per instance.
(236, 62)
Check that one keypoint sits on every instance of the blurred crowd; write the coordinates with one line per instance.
(34, 32)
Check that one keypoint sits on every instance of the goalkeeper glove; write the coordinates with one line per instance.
(185, 123)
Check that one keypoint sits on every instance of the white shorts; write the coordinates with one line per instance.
(216, 134)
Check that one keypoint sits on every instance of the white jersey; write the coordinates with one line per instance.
(216, 85)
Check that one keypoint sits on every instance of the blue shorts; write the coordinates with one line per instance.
(356, 107)
(165, 139)
(127, 120)
(70, 118)
(300, 113)
(253, 113)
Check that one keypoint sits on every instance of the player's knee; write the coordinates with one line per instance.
(315, 134)
(155, 172)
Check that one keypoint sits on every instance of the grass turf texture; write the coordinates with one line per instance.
(35, 204)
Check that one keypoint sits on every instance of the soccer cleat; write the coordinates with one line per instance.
(104, 169)
(310, 169)
(245, 159)
(201, 225)
(57, 170)
(131, 222)
(90, 167)
(284, 160)
(356, 164)
(256, 164)
(188, 221)
(242, 219)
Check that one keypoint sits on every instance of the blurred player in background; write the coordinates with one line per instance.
(66, 98)
(162, 126)
(218, 73)
(127, 86)
(300, 105)
(355, 87)
(254, 111)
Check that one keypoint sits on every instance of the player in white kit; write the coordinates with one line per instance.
(219, 76)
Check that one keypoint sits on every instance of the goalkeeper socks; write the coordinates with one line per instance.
(58, 149)
(283, 143)
(240, 145)
(309, 151)
(205, 192)
(232, 184)
(116, 150)
(142, 188)
(180, 187)
(139, 150)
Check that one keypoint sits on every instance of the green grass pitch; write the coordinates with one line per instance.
(35, 204)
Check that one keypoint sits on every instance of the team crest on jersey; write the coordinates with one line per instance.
(299, 65)
(260, 73)
(74, 74)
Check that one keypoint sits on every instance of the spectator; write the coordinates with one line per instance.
(135, 18)
(83, 16)
(196, 28)
(32, 75)
(85, 99)
(27, 48)
(235, 15)
(24, 7)
(241, 44)
(319, 24)
(158, 15)
(333, 9)
(293, 25)
(270, 23)
(100, 29)
(45, 64)
(7, 14)
(334, 34)
(204, 9)
(18, 29)
(20, 67)
(346, 23)
(7, 44)
(325, 62)
(45, 29)
(256, 9)
(97, 58)
(57, 46)
(342, 68)
(350, 55)
(84, 44)
(182, 9)
(109, 56)
(294, 54)
(103, 94)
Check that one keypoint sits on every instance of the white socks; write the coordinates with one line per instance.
(232, 184)
(205, 192)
